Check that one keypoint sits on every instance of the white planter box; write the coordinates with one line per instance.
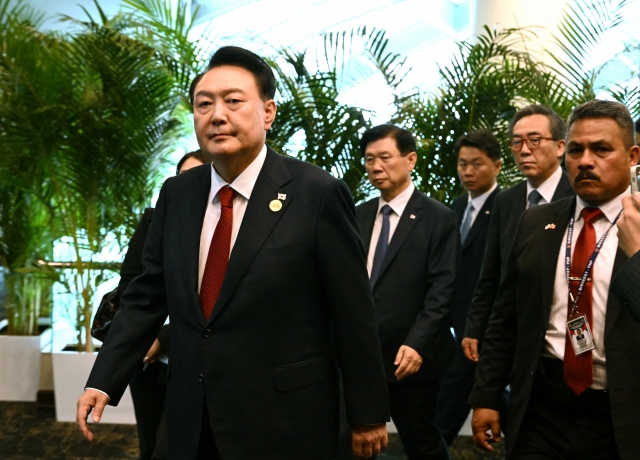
(20, 366)
(70, 373)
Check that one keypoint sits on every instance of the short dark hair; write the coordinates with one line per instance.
(192, 86)
(404, 139)
(616, 111)
(240, 57)
(482, 140)
(556, 123)
(197, 154)
(637, 126)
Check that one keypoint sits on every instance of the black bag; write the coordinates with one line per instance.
(106, 311)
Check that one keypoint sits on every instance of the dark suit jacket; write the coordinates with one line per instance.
(132, 267)
(414, 289)
(295, 295)
(472, 254)
(508, 208)
(515, 338)
(626, 286)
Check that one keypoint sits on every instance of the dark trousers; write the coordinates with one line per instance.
(207, 449)
(560, 425)
(413, 411)
(148, 388)
(453, 408)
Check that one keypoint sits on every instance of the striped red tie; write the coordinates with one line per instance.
(218, 257)
(578, 370)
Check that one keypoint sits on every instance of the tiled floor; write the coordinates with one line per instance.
(27, 433)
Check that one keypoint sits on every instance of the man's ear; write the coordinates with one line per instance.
(270, 111)
(413, 159)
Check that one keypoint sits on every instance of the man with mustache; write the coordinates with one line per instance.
(537, 143)
(566, 346)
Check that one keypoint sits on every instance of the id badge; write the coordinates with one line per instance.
(580, 335)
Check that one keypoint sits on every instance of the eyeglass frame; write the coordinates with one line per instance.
(384, 160)
(527, 140)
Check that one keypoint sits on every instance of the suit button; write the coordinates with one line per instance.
(207, 333)
(200, 377)
(531, 375)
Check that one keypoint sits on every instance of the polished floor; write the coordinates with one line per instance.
(30, 433)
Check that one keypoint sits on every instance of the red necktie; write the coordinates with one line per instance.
(578, 370)
(218, 257)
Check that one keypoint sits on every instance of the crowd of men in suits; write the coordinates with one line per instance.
(283, 295)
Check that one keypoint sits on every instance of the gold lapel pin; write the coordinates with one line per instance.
(412, 216)
(282, 196)
(487, 212)
(550, 227)
(275, 205)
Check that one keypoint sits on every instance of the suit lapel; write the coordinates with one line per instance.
(613, 306)
(482, 219)
(257, 224)
(552, 239)
(407, 222)
(366, 218)
(563, 190)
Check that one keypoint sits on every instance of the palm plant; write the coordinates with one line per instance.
(95, 109)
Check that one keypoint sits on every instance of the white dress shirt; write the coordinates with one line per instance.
(478, 203)
(397, 205)
(547, 188)
(601, 275)
(243, 186)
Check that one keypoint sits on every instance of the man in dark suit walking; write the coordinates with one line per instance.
(413, 245)
(258, 262)
(564, 344)
(537, 142)
(479, 163)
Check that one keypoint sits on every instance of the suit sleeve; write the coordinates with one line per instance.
(498, 348)
(342, 267)
(143, 310)
(132, 264)
(626, 286)
(444, 252)
(488, 283)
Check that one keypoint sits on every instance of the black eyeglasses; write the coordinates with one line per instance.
(532, 142)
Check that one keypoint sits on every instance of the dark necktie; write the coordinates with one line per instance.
(578, 370)
(382, 245)
(219, 250)
(534, 199)
(466, 223)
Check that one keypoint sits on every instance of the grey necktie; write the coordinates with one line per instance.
(466, 222)
(534, 199)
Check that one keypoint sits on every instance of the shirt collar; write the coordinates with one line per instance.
(400, 202)
(610, 209)
(244, 183)
(478, 202)
(548, 187)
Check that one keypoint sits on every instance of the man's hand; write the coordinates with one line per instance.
(484, 420)
(408, 361)
(368, 440)
(90, 399)
(629, 225)
(153, 353)
(470, 349)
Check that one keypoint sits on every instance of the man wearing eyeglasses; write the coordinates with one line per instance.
(537, 143)
(412, 244)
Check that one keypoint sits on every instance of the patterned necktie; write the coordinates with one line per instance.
(466, 223)
(382, 245)
(578, 370)
(534, 199)
(219, 250)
